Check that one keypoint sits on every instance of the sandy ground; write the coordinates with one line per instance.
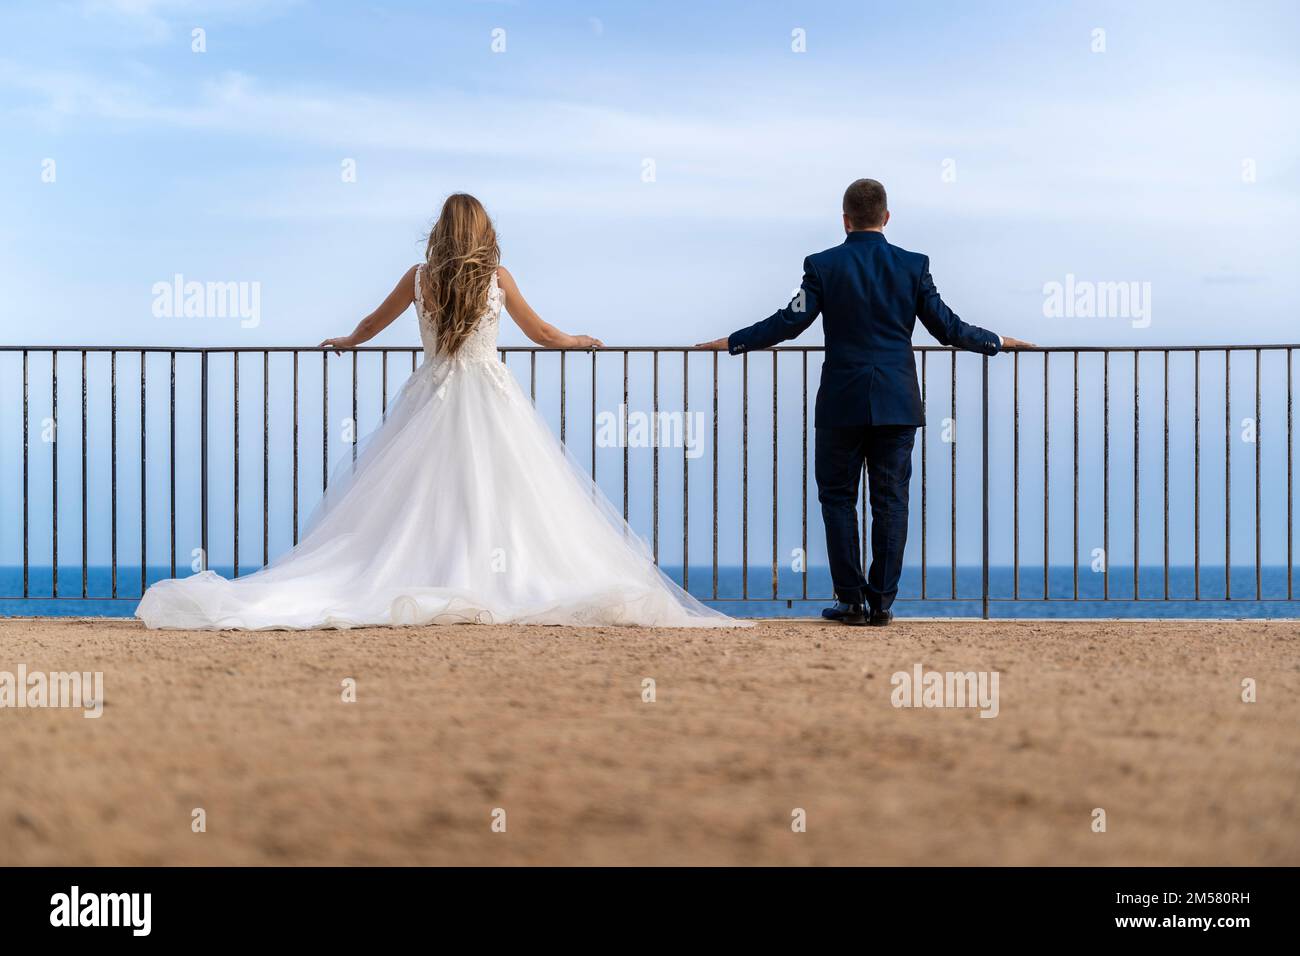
(1142, 719)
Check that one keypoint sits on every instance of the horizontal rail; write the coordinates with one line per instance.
(225, 349)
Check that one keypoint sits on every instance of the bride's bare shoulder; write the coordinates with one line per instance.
(506, 281)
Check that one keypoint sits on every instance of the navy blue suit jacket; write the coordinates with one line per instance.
(870, 294)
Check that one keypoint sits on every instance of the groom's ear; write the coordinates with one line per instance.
(848, 226)
(886, 222)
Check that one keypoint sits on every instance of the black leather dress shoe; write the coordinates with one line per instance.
(880, 618)
(852, 614)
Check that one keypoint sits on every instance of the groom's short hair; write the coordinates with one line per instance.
(865, 204)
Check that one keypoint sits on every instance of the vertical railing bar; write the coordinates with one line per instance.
(1015, 475)
(593, 416)
(1105, 476)
(112, 441)
(414, 354)
(295, 447)
(54, 470)
(383, 386)
(1047, 485)
(775, 498)
(532, 377)
(171, 497)
(625, 449)
(203, 459)
(85, 518)
(686, 471)
(803, 521)
(356, 427)
(143, 481)
(27, 508)
(744, 476)
(863, 480)
(925, 418)
(325, 421)
(1137, 485)
(984, 534)
(1166, 474)
(234, 364)
(654, 453)
(1076, 474)
(1196, 474)
(563, 390)
(1290, 498)
(1227, 475)
(266, 457)
(715, 475)
(952, 478)
(1259, 429)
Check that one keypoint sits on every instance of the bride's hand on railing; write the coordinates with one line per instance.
(585, 342)
(346, 342)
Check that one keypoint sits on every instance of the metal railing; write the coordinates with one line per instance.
(938, 373)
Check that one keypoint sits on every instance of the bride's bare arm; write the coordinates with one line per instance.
(398, 301)
(545, 335)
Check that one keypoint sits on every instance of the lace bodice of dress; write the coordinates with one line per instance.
(481, 346)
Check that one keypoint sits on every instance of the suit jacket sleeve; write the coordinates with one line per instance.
(785, 324)
(943, 323)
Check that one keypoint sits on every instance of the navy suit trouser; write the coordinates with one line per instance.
(840, 454)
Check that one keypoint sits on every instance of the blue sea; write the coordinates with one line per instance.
(757, 600)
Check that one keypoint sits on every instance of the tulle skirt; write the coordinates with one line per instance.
(461, 508)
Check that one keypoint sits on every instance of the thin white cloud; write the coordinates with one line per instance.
(1086, 159)
(152, 22)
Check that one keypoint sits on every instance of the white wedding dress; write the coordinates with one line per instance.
(461, 507)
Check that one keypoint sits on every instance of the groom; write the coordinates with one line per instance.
(869, 403)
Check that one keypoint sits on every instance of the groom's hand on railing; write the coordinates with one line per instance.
(1011, 343)
(717, 345)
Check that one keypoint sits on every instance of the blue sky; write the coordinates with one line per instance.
(225, 166)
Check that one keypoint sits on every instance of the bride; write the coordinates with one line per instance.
(462, 507)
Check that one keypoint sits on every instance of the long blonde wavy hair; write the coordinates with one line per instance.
(460, 259)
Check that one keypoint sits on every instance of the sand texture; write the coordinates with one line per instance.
(1144, 720)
